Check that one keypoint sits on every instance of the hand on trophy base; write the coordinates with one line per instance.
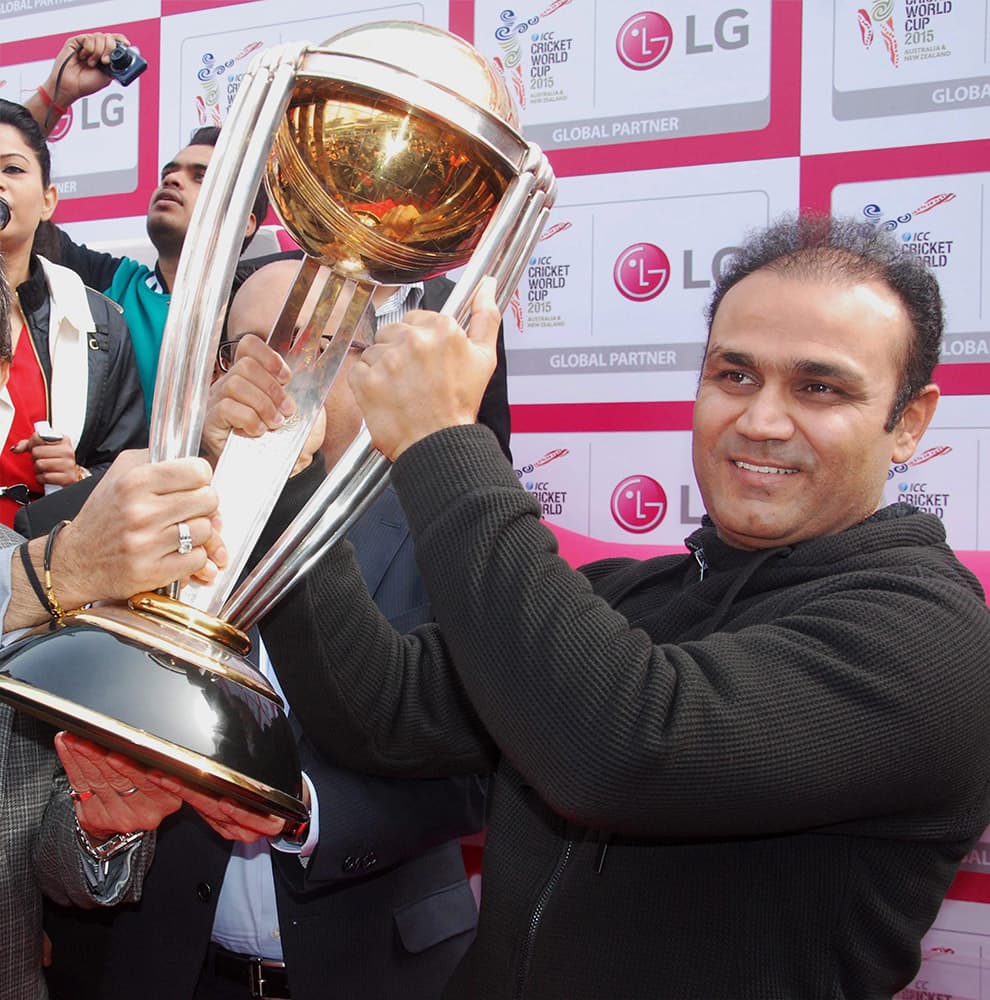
(114, 794)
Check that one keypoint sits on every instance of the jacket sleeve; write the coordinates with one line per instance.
(116, 419)
(859, 699)
(96, 269)
(434, 733)
(67, 877)
(397, 818)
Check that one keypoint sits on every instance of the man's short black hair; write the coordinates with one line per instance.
(817, 246)
(208, 135)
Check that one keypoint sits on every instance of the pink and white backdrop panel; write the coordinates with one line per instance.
(673, 128)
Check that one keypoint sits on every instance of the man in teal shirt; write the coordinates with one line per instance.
(142, 292)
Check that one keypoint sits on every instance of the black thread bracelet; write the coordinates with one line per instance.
(54, 608)
(31, 574)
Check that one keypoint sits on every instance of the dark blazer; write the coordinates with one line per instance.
(383, 909)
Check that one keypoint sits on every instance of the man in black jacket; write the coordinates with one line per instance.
(748, 772)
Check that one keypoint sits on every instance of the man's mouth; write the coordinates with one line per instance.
(766, 470)
(169, 197)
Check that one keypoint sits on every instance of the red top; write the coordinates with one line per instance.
(26, 387)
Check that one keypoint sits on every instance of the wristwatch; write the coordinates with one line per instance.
(102, 853)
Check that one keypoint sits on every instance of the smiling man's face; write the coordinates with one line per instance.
(789, 423)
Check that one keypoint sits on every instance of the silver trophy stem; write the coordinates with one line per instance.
(257, 468)
(216, 232)
(353, 484)
(361, 474)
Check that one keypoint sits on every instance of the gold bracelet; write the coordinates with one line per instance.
(54, 608)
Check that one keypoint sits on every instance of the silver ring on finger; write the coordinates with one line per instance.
(185, 539)
(128, 791)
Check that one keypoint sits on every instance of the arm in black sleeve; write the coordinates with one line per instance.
(366, 696)
(96, 269)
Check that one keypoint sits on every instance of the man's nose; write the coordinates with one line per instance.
(767, 415)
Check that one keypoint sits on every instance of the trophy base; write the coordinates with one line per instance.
(166, 696)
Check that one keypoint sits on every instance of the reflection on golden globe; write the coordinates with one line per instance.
(397, 145)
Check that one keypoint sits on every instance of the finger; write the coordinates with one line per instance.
(21, 446)
(250, 346)
(390, 333)
(176, 476)
(200, 532)
(70, 762)
(216, 551)
(100, 46)
(53, 464)
(151, 519)
(251, 384)
(122, 812)
(104, 769)
(264, 824)
(241, 834)
(124, 798)
(485, 316)
(226, 817)
(252, 413)
(205, 575)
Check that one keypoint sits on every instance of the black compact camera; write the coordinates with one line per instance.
(126, 64)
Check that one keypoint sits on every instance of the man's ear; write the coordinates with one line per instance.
(252, 226)
(914, 422)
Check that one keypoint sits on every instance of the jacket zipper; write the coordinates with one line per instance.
(699, 556)
(537, 915)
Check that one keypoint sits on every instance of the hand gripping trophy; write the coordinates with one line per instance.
(392, 154)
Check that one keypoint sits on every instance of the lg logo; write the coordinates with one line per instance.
(639, 504)
(644, 41)
(647, 38)
(107, 112)
(641, 272)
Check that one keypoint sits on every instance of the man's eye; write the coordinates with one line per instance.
(818, 388)
(736, 378)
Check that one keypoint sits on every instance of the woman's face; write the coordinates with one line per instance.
(21, 186)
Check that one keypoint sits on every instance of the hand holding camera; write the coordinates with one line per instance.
(85, 65)
(126, 64)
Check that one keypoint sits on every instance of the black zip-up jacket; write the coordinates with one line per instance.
(755, 782)
(115, 417)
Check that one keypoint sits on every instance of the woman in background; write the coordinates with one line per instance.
(73, 372)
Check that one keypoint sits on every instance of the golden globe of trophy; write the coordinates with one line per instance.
(392, 154)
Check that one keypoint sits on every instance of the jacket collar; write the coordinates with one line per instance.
(34, 290)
